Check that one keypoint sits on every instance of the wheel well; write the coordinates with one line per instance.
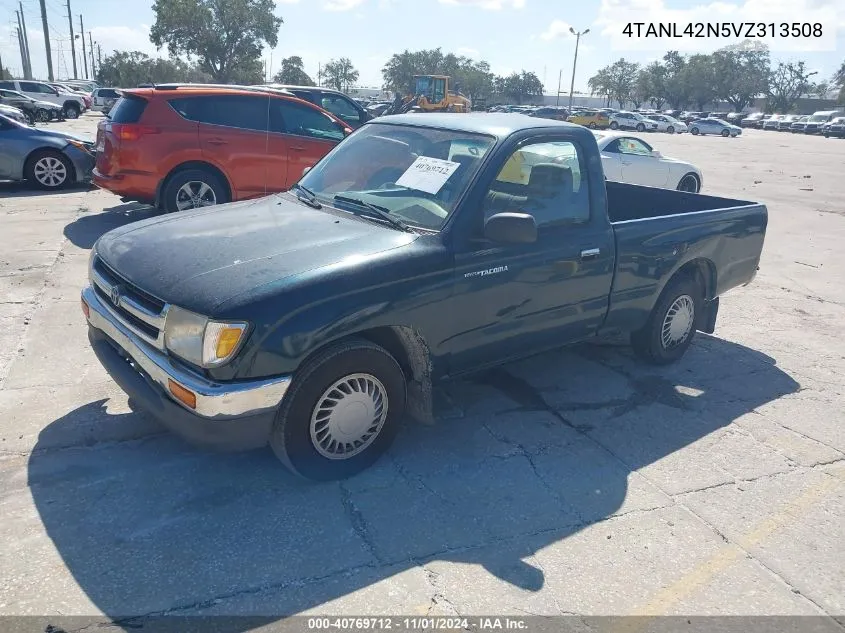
(194, 164)
(703, 272)
(31, 156)
(67, 104)
(694, 175)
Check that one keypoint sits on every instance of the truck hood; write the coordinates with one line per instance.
(200, 259)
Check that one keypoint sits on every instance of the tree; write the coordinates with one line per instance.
(787, 82)
(651, 84)
(677, 91)
(293, 73)
(340, 74)
(839, 81)
(472, 78)
(699, 77)
(518, 86)
(599, 84)
(131, 68)
(226, 36)
(616, 81)
(740, 75)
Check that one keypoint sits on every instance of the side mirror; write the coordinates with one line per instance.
(306, 170)
(656, 154)
(511, 228)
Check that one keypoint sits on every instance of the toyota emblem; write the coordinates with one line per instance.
(114, 295)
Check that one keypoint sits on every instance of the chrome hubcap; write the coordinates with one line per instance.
(50, 171)
(195, 194)
(678, 322)
(349, 416)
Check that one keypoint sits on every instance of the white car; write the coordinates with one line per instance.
(632, 121)
(630, 159)
(668, 124)
(72, 103)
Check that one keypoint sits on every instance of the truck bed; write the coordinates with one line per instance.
(658, 230)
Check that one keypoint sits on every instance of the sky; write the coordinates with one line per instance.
(512, 35)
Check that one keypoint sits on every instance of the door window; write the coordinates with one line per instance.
(8, 85)
(546, 180)
(235, 111)
(633, 146)
(289, 117)
(439, 90)
(31, 86)
(341, 108)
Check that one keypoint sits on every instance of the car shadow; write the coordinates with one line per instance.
(87, 229)
(520, 458)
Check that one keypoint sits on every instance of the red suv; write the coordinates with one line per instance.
(185, 147)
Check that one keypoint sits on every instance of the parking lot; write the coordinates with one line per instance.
(578, 482)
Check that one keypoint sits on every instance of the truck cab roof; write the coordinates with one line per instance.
(497, 124)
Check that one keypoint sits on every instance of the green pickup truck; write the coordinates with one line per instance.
(421, 248)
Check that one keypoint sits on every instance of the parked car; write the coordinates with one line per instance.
(186, 147)
(77, 90)
(785, 124)
(632, 121)
(16, 114)
(752, 120)
(377, 109)
(798, 124)
(48, 159)
(593, 119)
(675, 114)
(556, 113)
(773, 122)
(313, 320)
(666, 123)
(835, 128)
(815, 121)
(339, 104)
(104, 99)
(689, 117)
(735, 118)
(714, 126)
(33, 110)
(72, 104)
(630, 159)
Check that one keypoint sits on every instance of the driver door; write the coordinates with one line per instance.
(638, 165)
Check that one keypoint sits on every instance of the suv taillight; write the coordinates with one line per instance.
(132, 131)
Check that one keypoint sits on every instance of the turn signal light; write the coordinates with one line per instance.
(185, 396)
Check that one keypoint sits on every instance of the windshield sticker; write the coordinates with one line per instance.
(427, 174)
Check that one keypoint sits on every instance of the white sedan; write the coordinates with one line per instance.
(668, 124)
(630, 159)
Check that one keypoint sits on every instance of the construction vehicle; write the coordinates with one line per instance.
(431, 93)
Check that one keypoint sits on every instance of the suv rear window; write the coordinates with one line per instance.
(128, 109)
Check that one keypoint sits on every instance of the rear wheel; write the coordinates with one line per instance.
(614, 125)
(341, 413)
(192, 189)
(694, 131)
(670, 129)
(640, 127)
(670, 328)
(72, 110)
(726, 133)
(42, 115)
(49, 169)
(592, 125)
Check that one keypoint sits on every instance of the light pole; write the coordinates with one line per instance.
(559, 77)
(575, 61)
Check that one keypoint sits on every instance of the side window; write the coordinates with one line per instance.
(341, 108)
(305, 95)
(28, 86)
(543, 179)
(8, 85)
(633, 146)
(288, 117)
(439, 90)
(236, 111)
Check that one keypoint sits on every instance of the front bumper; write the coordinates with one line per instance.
(83, 162)
(230, 416)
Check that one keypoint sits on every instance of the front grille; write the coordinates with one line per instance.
(139, 311)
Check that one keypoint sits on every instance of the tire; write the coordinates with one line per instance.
(726, 133)
(689, 182)
(72, 110)
(42, 115)
(640, 127)
(49, 169)
(670, 130)
(205, 190)
(694, 131)
(614, 125)
(592, 125)
(296, 436)
(680, 295)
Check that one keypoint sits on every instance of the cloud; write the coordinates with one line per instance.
(489, 5)
(556, 29)
(468, 52)
(341, 5)
(615, 15)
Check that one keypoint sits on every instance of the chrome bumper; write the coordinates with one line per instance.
(214, 400)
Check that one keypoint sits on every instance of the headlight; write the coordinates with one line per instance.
(199, 340)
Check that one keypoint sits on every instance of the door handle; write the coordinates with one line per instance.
(626, 162)
(590, 253)
(217, 141)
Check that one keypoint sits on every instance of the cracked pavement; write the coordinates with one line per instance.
(576, 482)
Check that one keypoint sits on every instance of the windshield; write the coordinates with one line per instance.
(416, 174)
(818, 117)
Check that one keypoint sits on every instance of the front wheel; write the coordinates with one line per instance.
(592, 125)
(341, 413)
(689, 183)
(42, 115)
(670, 328)
(614, 125)
(640, 127)
(72, 111)
(670, 129)
(694, 131)
(49, 169)
(726, 133)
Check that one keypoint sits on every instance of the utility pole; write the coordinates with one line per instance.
(99, 56)
(84, 55)
(91, 50)
(47, 41)
(27, 73)
(559, 77)
(575, 61)
(25, 42)
(72, 43)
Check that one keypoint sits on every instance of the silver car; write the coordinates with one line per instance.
(48, 159)
(714, 126)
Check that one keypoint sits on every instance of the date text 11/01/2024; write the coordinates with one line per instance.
(723, 29)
